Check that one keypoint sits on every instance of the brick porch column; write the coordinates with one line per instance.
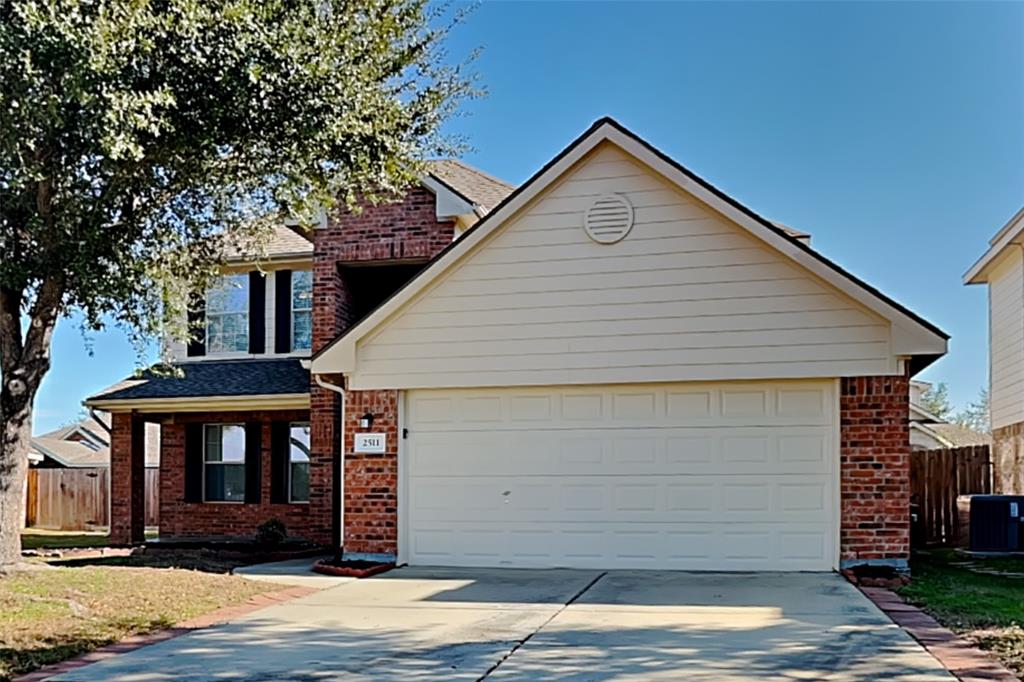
(874, 414)
(127, 479)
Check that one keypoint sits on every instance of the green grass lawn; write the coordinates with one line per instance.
(38, 538)
(52, 614)
(988, 609)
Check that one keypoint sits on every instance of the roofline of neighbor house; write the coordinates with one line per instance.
(1007, 234)
(497, 216)
(59, 459)
(937, 436)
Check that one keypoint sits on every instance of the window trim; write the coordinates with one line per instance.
(231, 276)
(309, 425)
(207, 425)
(292, 310)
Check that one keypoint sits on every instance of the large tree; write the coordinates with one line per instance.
(133, 132)
(977, 414)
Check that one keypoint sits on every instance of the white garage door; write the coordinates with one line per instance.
(728, 476)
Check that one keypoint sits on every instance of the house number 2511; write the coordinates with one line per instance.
(370, 442)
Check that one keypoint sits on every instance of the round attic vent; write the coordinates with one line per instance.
(609, 219)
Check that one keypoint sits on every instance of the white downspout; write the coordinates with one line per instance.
(341, 459)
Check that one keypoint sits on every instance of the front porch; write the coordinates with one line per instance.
(263, 471)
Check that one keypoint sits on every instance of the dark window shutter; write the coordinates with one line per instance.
(283, 312)
(193, 462)
(257, 312)
(253, 454)
(280, 432)
(197, 325)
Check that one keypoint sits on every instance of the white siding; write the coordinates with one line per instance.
(687, 295)
(1006, 315)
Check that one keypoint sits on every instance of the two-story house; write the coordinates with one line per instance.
(614, 365)
(1002, 269)
(245, 435)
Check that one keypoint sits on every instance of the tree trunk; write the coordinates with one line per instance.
(15, 438)
(23, 364)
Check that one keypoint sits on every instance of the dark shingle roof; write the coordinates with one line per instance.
(214, 378)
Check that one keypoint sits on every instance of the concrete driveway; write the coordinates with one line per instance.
(455, 624)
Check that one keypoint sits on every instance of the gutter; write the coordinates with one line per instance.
(337, 497)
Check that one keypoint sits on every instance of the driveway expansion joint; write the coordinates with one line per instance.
(540, 627)
(961, 658)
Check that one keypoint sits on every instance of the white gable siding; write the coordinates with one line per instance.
(1006, 315)
(687, 295)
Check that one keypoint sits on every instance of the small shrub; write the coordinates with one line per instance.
(271, 533)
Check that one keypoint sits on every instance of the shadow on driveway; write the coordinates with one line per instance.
(448, 624)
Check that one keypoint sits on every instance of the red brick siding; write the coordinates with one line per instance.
(127, 481)
(179, 518)
(396, 232)
(875, 469)
(371, 480)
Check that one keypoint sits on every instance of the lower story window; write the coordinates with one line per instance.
(224, 462)
(298, 463)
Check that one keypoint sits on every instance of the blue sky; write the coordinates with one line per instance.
(893, 132)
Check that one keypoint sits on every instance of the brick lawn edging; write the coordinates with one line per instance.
(218, 617)
(966, 661)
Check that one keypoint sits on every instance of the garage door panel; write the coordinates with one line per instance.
(728, 476)
(636, 499)
(704, 405)
(560, 452)
(755, 547)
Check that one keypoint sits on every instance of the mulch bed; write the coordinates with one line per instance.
(351, 569)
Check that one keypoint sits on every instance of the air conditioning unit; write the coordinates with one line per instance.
(997, 522)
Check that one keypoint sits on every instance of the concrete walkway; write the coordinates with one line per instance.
(462, 624)
(293, 572)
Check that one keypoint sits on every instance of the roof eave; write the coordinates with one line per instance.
(1009, 234)
(450, 203)
(273, 401)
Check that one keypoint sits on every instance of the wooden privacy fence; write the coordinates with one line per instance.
(937, 478)
(79, 499)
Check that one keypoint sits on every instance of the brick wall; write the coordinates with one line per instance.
(179, 519)
(875, 470)
(406, 231)
(371, 480)
(1008, 460)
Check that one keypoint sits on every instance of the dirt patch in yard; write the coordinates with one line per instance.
(53, 614)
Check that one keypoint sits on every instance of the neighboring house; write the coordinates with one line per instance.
(930, 432)
(85, 444)
(67, 485)
(1002, 269)
(615, 365)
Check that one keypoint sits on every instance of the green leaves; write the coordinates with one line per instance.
(133, 131)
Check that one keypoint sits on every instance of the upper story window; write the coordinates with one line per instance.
(227, 315)
(302, 310)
